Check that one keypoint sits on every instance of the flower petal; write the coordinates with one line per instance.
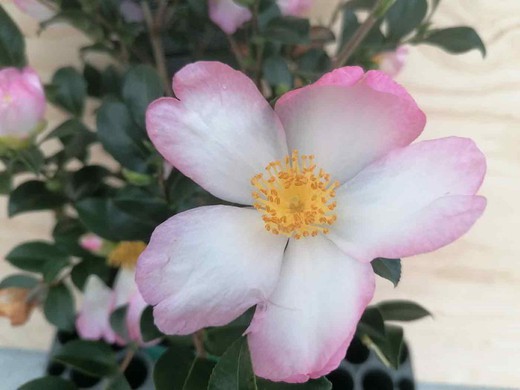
(221, 131)
(124, 287)
(348, 120)
(415, 200)
(294, 7)
(228, 15)
(304, 330)
(206, 266)
(136, 306)
(93, 321)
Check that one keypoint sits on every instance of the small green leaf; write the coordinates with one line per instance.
(288, 30)
(75, 138)
(118, 382)
(68, 90)
(276, 72)
(172, 368)
(19, 280)
(59, 308)
(48, 383)
(404, 16)
(401, 310)
(90, 265)
(315, 384)
(12, 44)
(389, 269)
(349, 25)
(118, 322)
(5, 182)
(372, 323)
(141, 86)
(199, 374)
(31, 158)
(86, 182)
(90, 357)
(218, 340)
(390, 347)
(121, 137)
(35, 255)
(149, 330)
(66, 234)
(456, 40)
(234, 370)
(33, 195)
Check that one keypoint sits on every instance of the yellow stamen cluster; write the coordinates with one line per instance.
(296, 199)
(125, 254)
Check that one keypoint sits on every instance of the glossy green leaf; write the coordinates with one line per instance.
(389, 269)
(457, 40)
(86, 182)
(404, 16)
(199, 374)
(313, 384)
(34, 255)
(120, 136)
(218, 340)
(33, 195)
(118, 382)
(349, 25)
(19, 280)
(172, 368)
(141, 86)
(118, 322)
(48, 383)
(372, 323)
(390, 347)
(401, 310)
(75, 138)
(68, 90)
(276, 72)
(288, 30)
(12, 44)
(90, 265)
(234, 370)
(149, 330)
(90, 357)
(59, 307)
(5, 182)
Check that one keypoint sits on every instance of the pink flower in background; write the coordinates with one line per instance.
(392, 62)
(230, 16)
(22, 103)
(36, 9)
(99, 301)
(333, 181)
(91, 242)
(131, 11)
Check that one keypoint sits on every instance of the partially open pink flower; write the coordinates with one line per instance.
(329, 180)
(36, 9)
(22, 104)
(392, 62)
(99, 301)
(230, 16)
(91, 242)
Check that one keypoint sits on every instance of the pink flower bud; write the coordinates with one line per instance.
(392, 62)
(22, 104)
(36, 9)
(91, 242)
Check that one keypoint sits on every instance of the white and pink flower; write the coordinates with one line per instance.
(99, 302)
(334, 182)
(22, 104)
(392, 62)
(230, 16)
(36, 9)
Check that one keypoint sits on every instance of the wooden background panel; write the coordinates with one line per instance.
(472, 286)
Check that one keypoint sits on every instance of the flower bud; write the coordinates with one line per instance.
(22, 105)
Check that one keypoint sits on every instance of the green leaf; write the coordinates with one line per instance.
(75, 137)
(149, 330)
(404, 16)
(90, 357)
(19, 280)
(199, 374)
(86, 182)
(172, 368)
(120, 136)
(349, 26)
(102, 217)
(219, 339)
(59, 308)
(12, 44)
(32, 158)
(389, 269)
(288, 30)
(372, 323)
(68, 90)
(35, 255)
(118, 321)
(48, 383)
(456, 40)
(390, 347)
(234, 371)
(66, 234)
(141, 86)
(79, 20)
(315, 384)
(90, 265)
(276, 73)
(5, 182)
(401, 310)
(118, 382)
(33, 195)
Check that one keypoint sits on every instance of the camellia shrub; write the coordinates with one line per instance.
(255, 199)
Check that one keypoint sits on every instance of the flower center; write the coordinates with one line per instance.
(125, 254)
(296, 197)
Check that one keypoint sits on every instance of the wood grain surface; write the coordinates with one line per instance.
(472, 286)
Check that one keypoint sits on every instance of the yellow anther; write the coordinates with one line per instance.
(126, 253)
(295, 200)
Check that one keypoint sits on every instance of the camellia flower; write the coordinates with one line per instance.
(333, 183)
(22, 105)
(35, 9)
(99, 301)
(230, 16)
(392, 62)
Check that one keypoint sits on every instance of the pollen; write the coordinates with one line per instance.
(125, 254)
(295, 197)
